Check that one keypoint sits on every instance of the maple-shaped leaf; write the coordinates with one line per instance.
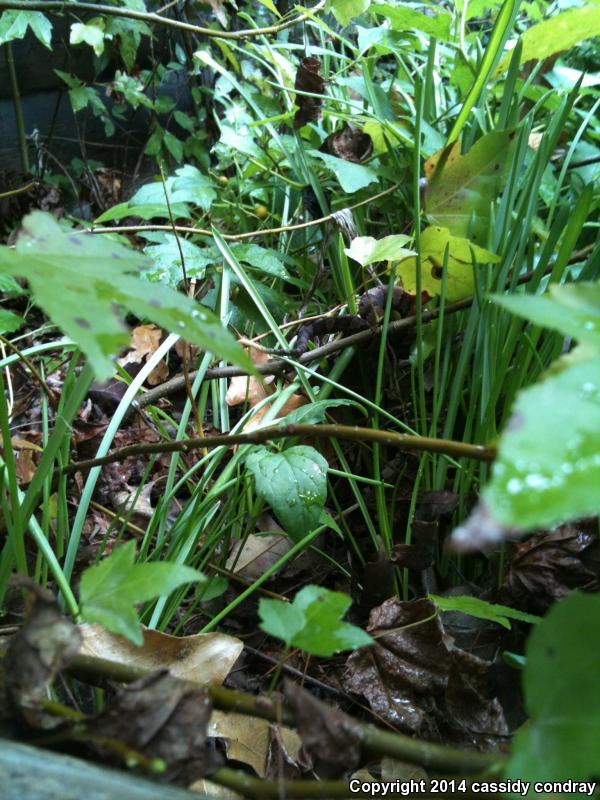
(110, 590)
(80, 280)
(461, 255)
(313, 622)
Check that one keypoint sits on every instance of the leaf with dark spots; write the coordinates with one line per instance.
(330, 739)
(45, 644)
(76, 240)
(83, 323)
(349, 143)
(546, 567)
(308, 79)
(417, 681)
(165, 718)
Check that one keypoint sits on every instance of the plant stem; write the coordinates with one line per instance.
(403, 441)
(130, 13)
(18, 108)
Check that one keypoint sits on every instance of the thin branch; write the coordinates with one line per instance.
(403, 441)
(153, 19)
(277, 366)
(376, 742)
(237, 237)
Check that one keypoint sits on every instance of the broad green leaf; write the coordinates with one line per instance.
(174, 146)
(403, 18)
(14, 25)
(561, 740)
(313, 622)
(560, 32)
(166, 259)
(294, 484)
(79, 279)
(460, 197)
(459, 281)
(476, 607)
(271, 6)
(261, 258)
(347, 10)
(351, 177)
(573, 309)
(92, 34)
(109, 590)
(548, 465)
(367, 250)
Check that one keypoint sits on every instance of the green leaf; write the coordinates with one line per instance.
(548, 464)
(561, 740)
(347, 10)
(573, 309)
(559, 33)
(313, 413)
(88, 34)
(403, 18)
(109, 590)
(475, 607)
(294, 483)
(14, 25)
(9, 322)
(261, 258)
(459, 281)
(313, 622)
(78, 279)
(461, 196)
(143, 211)
(367, 250)
(351, 177)
(174, 146)
(166, 259)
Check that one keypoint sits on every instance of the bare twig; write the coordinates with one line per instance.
(153, 19)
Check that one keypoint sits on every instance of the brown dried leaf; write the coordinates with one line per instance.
(349, 143)
(252, 556)
(308, 79)
(163, 717)
(546, 567)
(331, 739)
(145, 340)
(414, 678)
(46, 643)
(251, 389)
(205, 658)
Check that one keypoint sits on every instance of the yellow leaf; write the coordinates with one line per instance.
(461, 255)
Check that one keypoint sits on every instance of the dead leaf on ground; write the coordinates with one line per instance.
(249, 739)
(414, 678)
(46, 643)
(545, 568)
(145, 340)
(204, 658)
(252, 556)
(349, 143)
(162, 717)
(308, 79)
(330, 739)
(252, 389)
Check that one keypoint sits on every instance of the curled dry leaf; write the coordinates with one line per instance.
(330, 739)
(252, 556)
(162, 717)
(46, 643)
(205, 658)
(308, 79)
(415, 679)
